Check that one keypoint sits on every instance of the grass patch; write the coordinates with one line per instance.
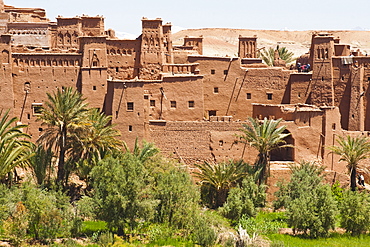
(264, 222)
(335, 240)
(90, 227)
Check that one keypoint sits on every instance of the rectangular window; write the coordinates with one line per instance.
(37, 108)
(249, 95)
(212, 113)
(94, 88)
(191, 104)
(146, 96)
(173, 104)
(213, 71)
(226, 72)
(130, 106)
(152, 103)
(269, 96)
(130, 128)
(215, 90)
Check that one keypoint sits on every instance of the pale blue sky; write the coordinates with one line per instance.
(125, 15)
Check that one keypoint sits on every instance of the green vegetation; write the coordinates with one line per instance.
(352, 150)
(268, 55)
(139, 198)
(264, 137)
(15, 147)
(334, 240)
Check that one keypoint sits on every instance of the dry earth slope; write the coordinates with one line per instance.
(223, 41)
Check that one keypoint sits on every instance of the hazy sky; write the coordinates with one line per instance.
(125, 15)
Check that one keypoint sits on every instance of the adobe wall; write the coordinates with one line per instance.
(34, 73)
(169, 99)
(230, 89)
(6, 85)
(299, 88)
(30, 34)
(123, 58)
(195, 142)
(93, 70)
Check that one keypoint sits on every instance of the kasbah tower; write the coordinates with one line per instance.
(189, 104)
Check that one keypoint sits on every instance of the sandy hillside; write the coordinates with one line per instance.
(222, 41)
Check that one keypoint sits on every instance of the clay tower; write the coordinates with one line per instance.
(321, 53)
(152, 55)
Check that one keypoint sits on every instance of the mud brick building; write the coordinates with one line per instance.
(189, 104)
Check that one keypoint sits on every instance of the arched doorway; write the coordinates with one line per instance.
(286, 153)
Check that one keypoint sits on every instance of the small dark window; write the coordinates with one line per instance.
(249, 95)
(342, 78)
(368, 78)
(213, 71)
(212, 113)
(322, 78)
(226, 72)
(152, 103)
(146, 96)
(333, 126)
(40, 129)
(94, 88)
(117, 69)
(130, 106)
(269, 96)
(191, 104)
(130, 128)
(215, 90)
(28, 116)
(173, 104)
(37, 109)
(221, 143)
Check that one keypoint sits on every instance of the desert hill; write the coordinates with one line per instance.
(223, 41)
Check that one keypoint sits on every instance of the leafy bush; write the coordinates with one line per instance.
(313, 212)
(49, 213)
(242, 200)
(16, 225)
(122, 192)
(337, 192)
(305, 176)
(311, 207)
(355, 212)
(178, 198)
(203, 234)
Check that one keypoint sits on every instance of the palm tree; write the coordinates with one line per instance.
(221, 177)
(15, 147)
(268, 55)
(63, 113)
(352, 150)
(148, 150)
(264, 137)
(41, 164)
(94, 141)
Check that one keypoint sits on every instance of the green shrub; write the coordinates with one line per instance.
(203, 233)
(178, 199)
(311, 207)
(337, 191)
(305, 177)
(123, 193)
(16, 225)
(243, 200)
(355, 212)
(314, 212)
